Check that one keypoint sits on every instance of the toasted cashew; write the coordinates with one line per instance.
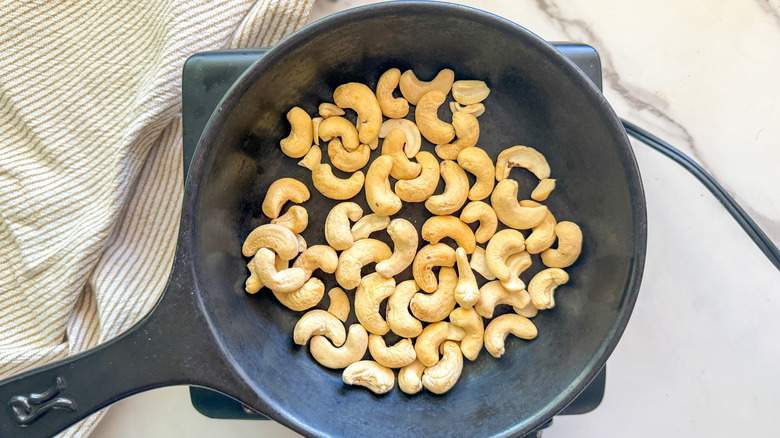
(399, 355)
(317, 257)
(436, 306)
(470, 92)
(328, 109)
(368, 224)
(529, 310)
(488, 221)
(284, 281)
(312, 159)
(422, 187)
(345, 160)
(392, 107)
(466, 291)
(432, 336)
(479, 264)
(339, 304)
(521, 156)
(502, 245)
(404, 237)
(456, 190)
(470, 321)
(340, 127)
(441, 377)
(253, 283)
(429, 256)
(352, 260)
(372, 290)
(315, 124)
(493, 294)
(296, 219)
(475, 109)
(426, 115)
(371, 375)
(409, 377)
(399, 319)
(508, 209)
(475, 161)
(402, 167)
(297, 144)
(438, 227)
(413, 89)
(340, 357)
(281, 191)
(337, 230)
(275, 237)
(319, 322)
(413, 140)
(467, 130)
(542, 287)
(305, 297)
(569, 246)
(543, 189)
(543, 235)
(498, 329)
(517, 263)
(379, 196)
(336, 188)
(361, 99)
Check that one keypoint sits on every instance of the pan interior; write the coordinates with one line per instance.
(537, 99)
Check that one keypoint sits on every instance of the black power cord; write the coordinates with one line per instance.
(754, 231)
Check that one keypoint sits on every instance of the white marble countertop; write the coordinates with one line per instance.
(700, 354)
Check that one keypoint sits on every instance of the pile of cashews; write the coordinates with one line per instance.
(418, 308)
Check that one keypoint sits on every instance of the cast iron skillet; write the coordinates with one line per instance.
(207, 331)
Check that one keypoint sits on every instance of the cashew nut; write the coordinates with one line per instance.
(422, 187)
(479, 263)
(569, 246)
(413, 140)
(305, 297)
(488, 221)
(301, 243)
(296, 219)
(404, 237)
(493, 294)
(297, 144)
(456, 190)
(253, 283)
(441, 377)
(352, 260)
(521, 156)
(498, 329)
(399, 319)
(317, 257)
(361, 99)
(336, 188)
(510, 212)
(379, 196)
(275, 237)
(432, 336)
(339, 304)
(467, 130)
(542, 287)
(429, 256)
(284, 281)
(470, 321)
(517, 263)
(413, 89)
(438, 227)
(470, 92)
(371, 291)
(328, 109)
(340, 357)
(345, 160)
(399, 355)
(529, 310)
(475, 109)
(475, 161)
(337, 231)
(426, 115)
(409, 377)
(502, 245)
(340, 127)
(371, 375)
(312, 159)
(394, 108)
(368, 224)
(436, 306)
(402, 167)
(466, 291)
(281, 191)
(543, 235)
(319, 322)
(543, 189)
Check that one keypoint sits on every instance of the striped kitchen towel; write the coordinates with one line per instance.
(90, 159)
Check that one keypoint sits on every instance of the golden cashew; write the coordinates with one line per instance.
(379, 196)
(412, 133)
(543, 189)
(327, 109)
(493, 294)
(436, 306)
(337, 232)
(284, 281)
(471, 323)
(275, 237)
(305, 297)
(488, 221)
(336, 188)
(281, 191)
(319, 322)
(372, 290)
(467, 130)
(441, 377)
(368, 224)
(371, 375)
(340, 127)
(297, 144)
(470, 92)
(399, 319)
(404, 237)
(354, 258)
(438, 227)
(414, 89)
(498, 329)
(340, 357)
(312, 159)
(339, 304)
(475, 109)
(521, 156)
(345, 160)
(502, 245)
(542, 287)
(429, 256)
(432, 336)
(301, 243)
(392, 107)
(315, 124)
(543, 235)
(509, 211)
(528, 311)
(296, 219)
(253, 283)
(426, 115)
(479, 264)
(399, 355)
(422, 187)
(402, 167)
(475, 161)
(409, 377)
(517, 263)
(361, 99)
(466, 291)
(320, 257)
(456, 190)
(569, 246)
